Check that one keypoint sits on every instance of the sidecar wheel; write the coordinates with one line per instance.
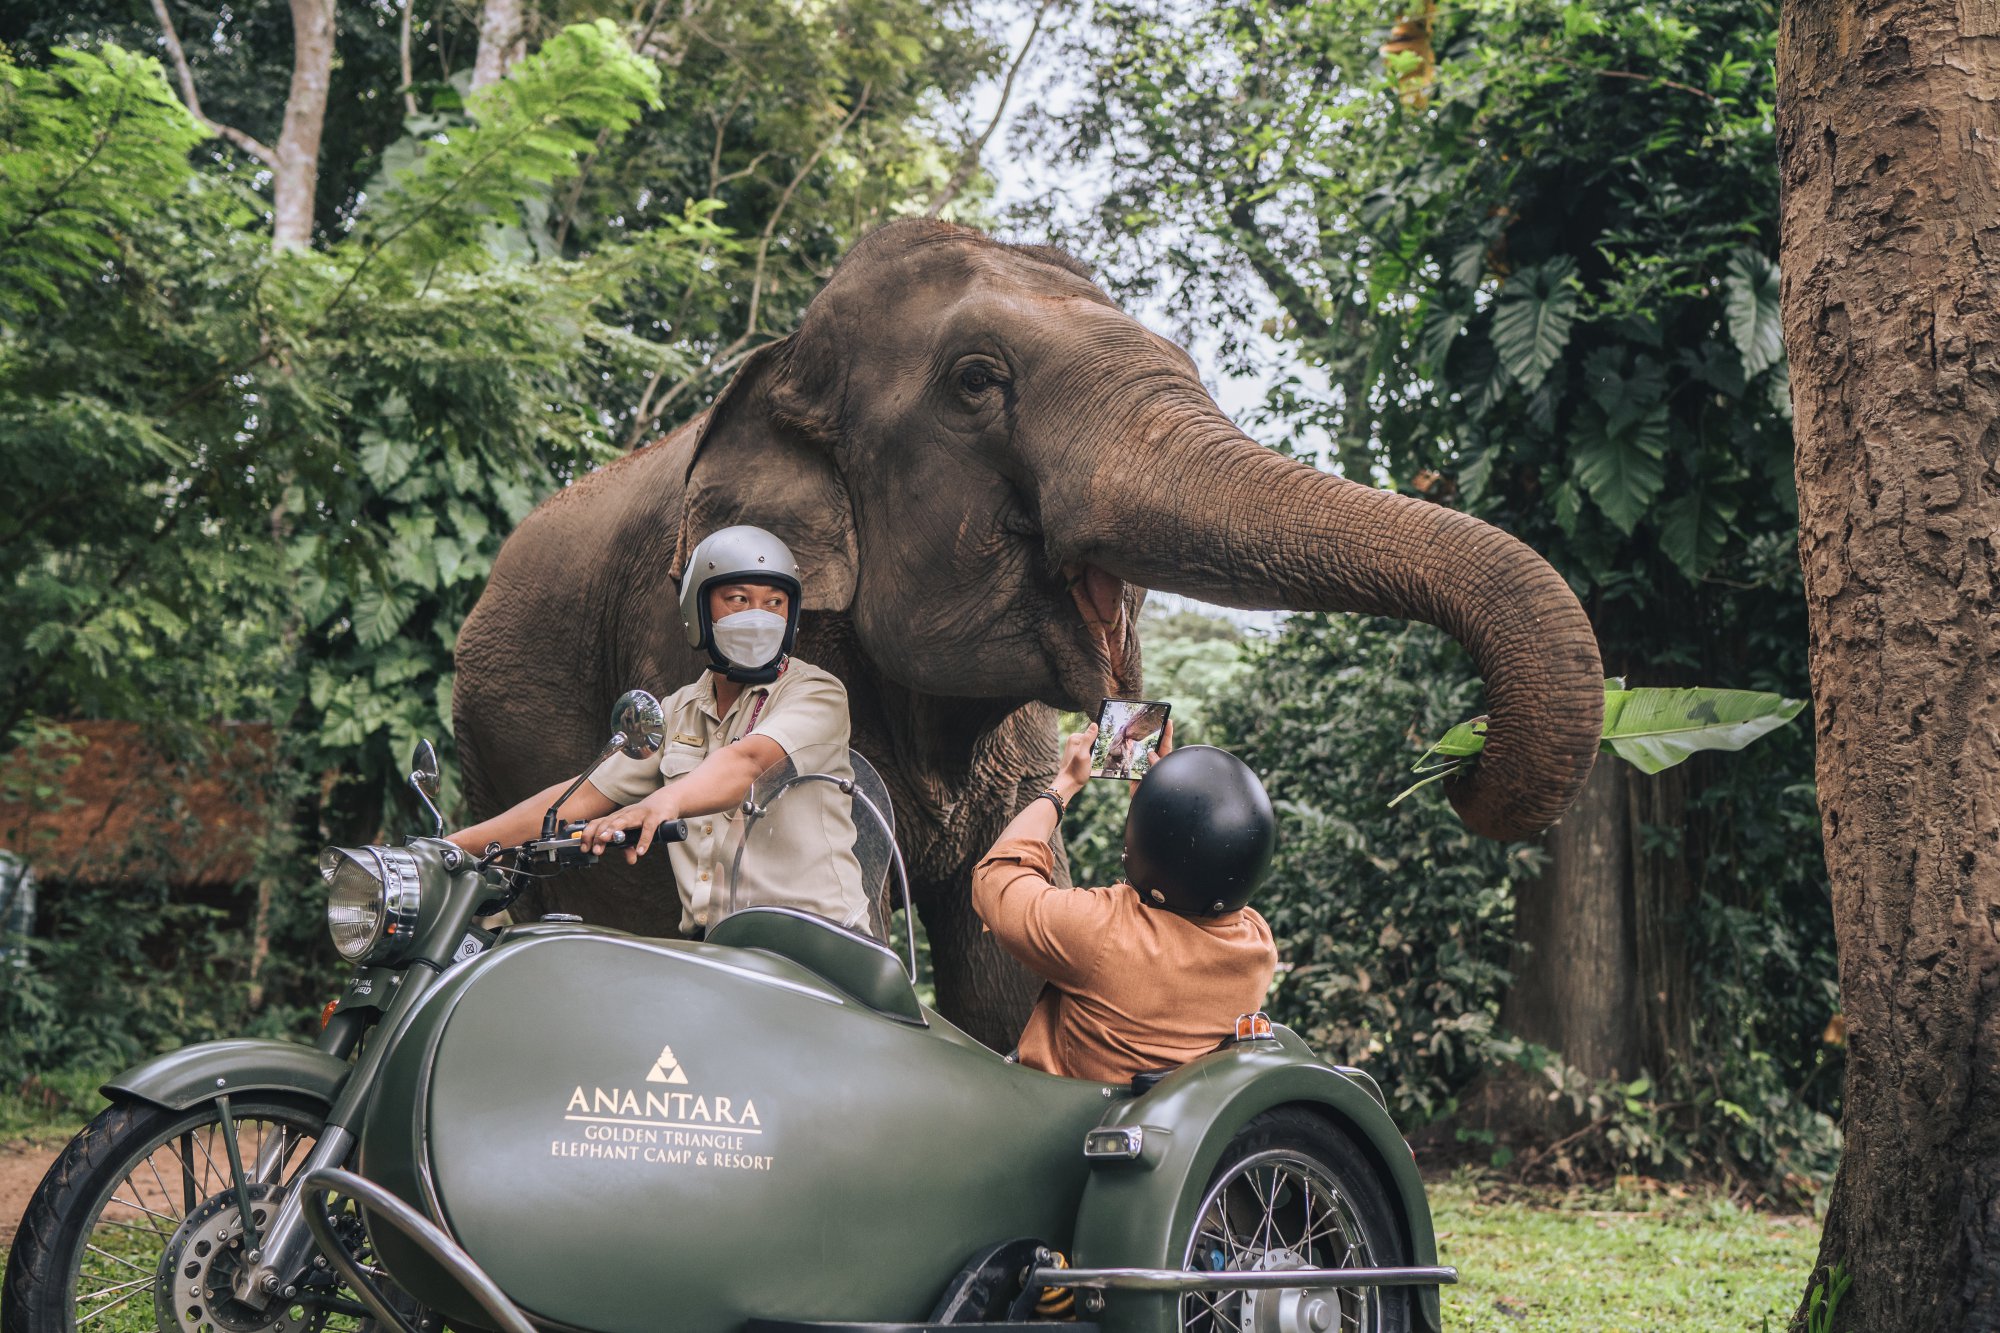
(1293, 1191)
(89, 1251)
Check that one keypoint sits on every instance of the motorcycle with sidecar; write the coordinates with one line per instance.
(556, 1126)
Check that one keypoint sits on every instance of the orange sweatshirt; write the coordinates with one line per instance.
(1131, 987)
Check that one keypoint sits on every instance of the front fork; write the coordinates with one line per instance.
(280, 1253)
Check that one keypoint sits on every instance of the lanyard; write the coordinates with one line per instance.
(757, 704)
(756, 711)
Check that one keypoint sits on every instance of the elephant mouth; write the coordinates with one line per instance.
(1100, 598)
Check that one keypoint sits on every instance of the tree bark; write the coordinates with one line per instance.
(1573, 965)
(503, 39)
(296, 179)
(1889, 142)
(1664, 888)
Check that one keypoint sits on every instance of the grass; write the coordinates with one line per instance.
(1530, 1261)
(52, 1107)
(1623, 1260)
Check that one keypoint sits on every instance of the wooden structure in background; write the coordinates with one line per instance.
(122, 810)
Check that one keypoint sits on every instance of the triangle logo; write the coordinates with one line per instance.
(666, 1069)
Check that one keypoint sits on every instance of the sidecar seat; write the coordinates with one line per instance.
(856, 965)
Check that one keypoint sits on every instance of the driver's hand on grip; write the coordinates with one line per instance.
(641, 823)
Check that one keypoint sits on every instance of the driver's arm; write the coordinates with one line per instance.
(717, 783)
(810, 714)
(524, 821)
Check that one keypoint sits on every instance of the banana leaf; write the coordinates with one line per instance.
(1649, 728)
(1656, 729)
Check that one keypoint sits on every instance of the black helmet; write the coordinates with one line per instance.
(1199, 835)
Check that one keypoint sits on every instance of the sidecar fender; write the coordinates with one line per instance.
(1137, 1213)
(179, 1079)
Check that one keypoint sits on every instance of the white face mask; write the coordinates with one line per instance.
(750, 639)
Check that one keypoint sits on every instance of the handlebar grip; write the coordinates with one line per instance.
(570, 828)
(673, 830)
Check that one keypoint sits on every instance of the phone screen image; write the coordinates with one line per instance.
(1128, 738)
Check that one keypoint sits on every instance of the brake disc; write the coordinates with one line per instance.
(194, 1292)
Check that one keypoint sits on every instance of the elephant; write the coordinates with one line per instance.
(981, 463)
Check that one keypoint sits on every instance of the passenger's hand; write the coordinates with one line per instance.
(640, 820)
(1166, 741)
(1074, 770)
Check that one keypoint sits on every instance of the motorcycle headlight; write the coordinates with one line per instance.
(371, 901)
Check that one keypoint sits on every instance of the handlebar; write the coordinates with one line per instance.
(566, 850)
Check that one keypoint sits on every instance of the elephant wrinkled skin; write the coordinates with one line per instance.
(981, 463)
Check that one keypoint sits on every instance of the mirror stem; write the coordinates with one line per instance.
(553, 819)
(437, 815)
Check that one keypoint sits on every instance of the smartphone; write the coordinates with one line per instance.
(1128, 737)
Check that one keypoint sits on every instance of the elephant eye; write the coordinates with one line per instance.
(977, 379)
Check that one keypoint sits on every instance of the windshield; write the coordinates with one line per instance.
(820, 836)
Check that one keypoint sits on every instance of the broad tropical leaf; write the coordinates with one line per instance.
(1620, 464)
(1653, 729)
(1750, 299)
(1532, 319)
(1694, 528)
(1656, 729)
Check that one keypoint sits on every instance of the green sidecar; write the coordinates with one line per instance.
(564, 1127)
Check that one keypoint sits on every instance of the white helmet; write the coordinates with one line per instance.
(740, 554)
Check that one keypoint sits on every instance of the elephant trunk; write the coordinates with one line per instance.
(1190, 505)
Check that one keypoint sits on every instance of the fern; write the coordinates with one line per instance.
(528, 131)
(88, 148)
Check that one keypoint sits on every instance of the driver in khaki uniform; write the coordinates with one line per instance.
(755, 707)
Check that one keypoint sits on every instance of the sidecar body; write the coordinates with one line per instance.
(766, 1130)
(633, 1135)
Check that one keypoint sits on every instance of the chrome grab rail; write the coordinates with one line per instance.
(1263, 1279)
(420, 1231)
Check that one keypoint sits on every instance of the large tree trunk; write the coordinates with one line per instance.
(503, 39)
(1602, 973)
(1889, 136)
(296, 174)
(1573, 969)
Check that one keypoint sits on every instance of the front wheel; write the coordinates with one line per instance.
(1293, 1191)
(143, 1190)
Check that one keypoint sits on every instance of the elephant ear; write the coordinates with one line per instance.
(765, 457)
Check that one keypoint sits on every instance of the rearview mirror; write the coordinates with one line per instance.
(424, 780)
(644, 723)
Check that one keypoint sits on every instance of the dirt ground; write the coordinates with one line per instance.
(22, 1166)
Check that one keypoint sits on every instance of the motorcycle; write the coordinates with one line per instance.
(553, 1125)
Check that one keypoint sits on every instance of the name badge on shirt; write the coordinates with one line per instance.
(685, 739)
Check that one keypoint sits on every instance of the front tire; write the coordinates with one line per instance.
(1294, 1191)
(89, 1249)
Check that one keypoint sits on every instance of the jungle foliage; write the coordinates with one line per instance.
(1525, 257)
(258, 485)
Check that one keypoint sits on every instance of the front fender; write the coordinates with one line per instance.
(1136, 1214)
(179, 1079)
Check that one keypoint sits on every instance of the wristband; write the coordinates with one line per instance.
(1055, 800)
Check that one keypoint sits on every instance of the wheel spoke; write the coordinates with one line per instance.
(166, 1195)
(116, 1260)
(142, 1208)
(103, 1309)
(1270, 1210)
(146, 1281)
(208, 1171)
(187, 1173)
(152, 1231)
(1267, 1226)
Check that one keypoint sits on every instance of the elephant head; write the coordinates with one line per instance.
(980, 460)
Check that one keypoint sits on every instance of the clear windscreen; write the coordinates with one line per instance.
(821, 839)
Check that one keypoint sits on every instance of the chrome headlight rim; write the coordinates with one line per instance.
(397, 881)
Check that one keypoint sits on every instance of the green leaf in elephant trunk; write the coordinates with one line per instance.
(1652, 729)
